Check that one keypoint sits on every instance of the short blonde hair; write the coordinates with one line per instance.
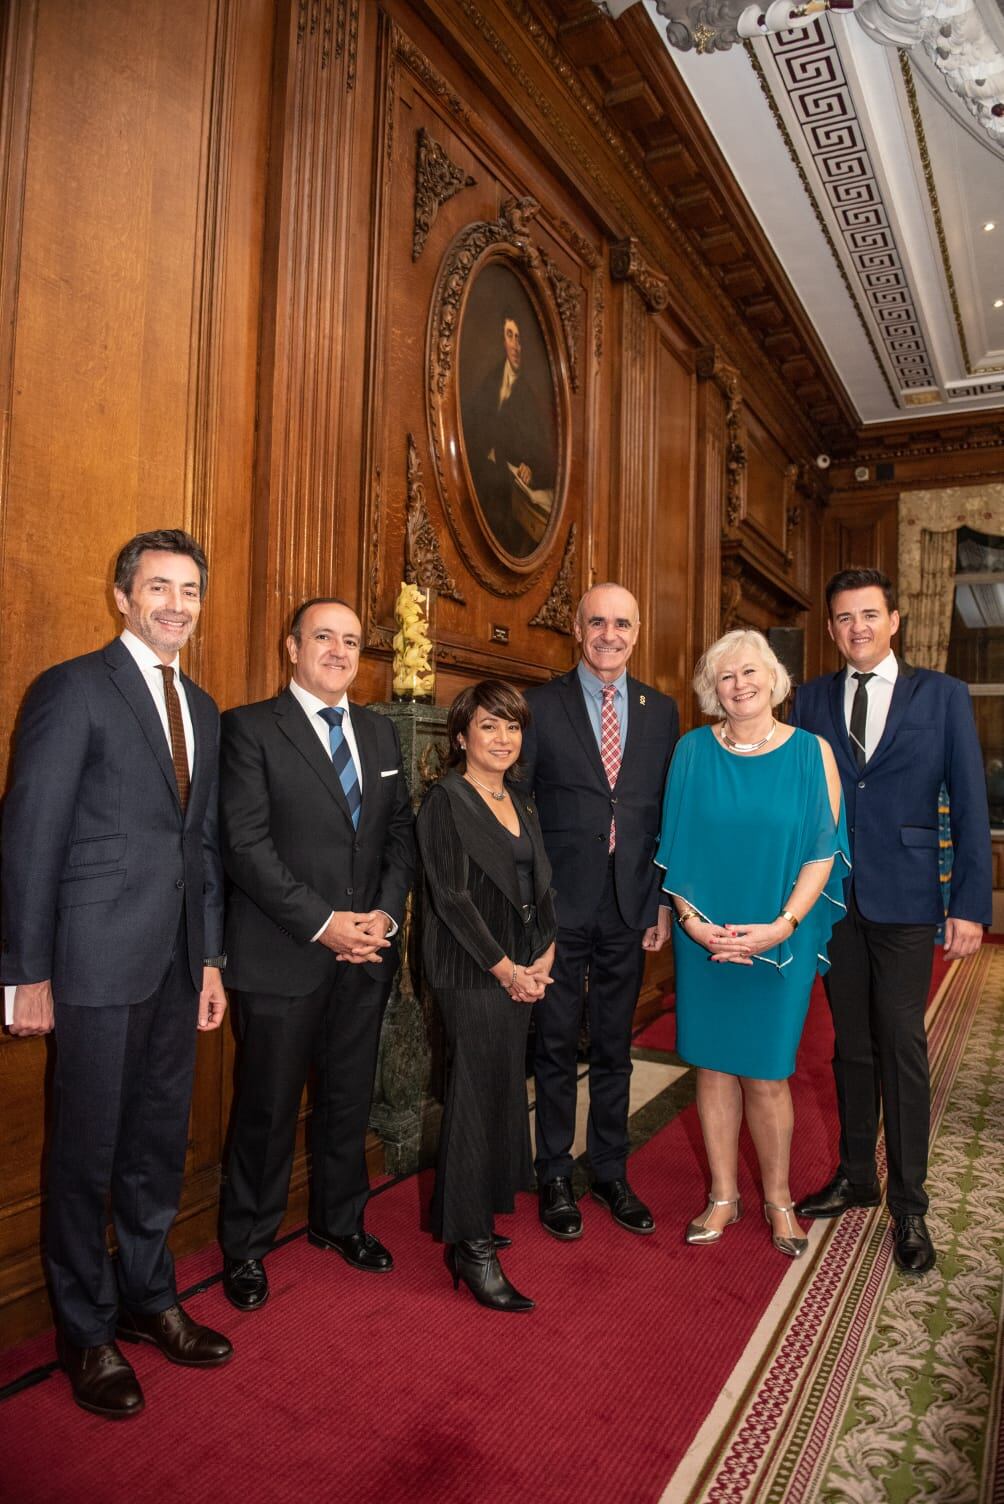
(706, 673)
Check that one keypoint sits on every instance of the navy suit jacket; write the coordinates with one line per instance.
(561, 766)
(290, 848)
(892, 803)
(97, 855)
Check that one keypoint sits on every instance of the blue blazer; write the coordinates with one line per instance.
(562, 768)
(97, 855)
(892, 803)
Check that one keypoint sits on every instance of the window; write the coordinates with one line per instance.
(976, 650)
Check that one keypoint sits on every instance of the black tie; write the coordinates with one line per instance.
(859, 718)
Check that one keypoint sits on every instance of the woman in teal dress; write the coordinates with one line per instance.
(753, 844)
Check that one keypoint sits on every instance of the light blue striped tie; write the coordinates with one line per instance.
(341, 758)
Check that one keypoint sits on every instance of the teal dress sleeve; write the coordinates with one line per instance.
(679, 831)
(824, 839)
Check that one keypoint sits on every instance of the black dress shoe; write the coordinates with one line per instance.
(477, 1264)
(623, 1205)
(837, 1196)
(558, 1210)
(912, 1249)
(179, 1338)
(245, 1283)
(360, 1249)
(101, 1378)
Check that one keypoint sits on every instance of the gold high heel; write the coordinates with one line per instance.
(793, 1247)
(699, 1232)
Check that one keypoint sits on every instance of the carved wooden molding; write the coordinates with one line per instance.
(627, 264)
(558, 610)
(568, 297)
(437, 180)
(423, 560)
(711, 366)
(404, 49)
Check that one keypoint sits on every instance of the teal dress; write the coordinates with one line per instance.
(736, 833)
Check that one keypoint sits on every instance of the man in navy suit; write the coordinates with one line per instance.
(113, 928)
(898, 733)
(596, 755)
(318, 842)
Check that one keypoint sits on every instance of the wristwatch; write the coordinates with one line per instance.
(219, 961)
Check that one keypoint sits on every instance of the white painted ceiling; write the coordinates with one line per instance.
(905, 309)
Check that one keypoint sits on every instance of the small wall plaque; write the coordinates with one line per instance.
(500, 634)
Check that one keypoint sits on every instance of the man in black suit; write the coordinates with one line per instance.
(509, 438)
(596, 755)
(113, 921)
(318, 841)
(899, 733)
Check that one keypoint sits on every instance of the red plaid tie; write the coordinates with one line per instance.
(610, 746)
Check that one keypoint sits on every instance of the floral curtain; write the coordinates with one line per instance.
(928, 522)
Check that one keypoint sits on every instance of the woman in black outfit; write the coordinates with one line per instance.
(488, 944)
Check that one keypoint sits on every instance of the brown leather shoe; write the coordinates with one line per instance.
(102, 1380)
(179, 1338)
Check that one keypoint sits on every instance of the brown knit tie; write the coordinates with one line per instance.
(179, 752)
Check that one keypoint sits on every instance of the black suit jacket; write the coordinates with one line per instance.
(475, 915)
(97, 856)
(563, 770)
(290, 849)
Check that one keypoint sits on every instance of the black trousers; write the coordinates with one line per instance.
(122, 1093)
(337, 1027)
(610, 952)
(877, 988)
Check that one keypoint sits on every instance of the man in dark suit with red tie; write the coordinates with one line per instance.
(112, 933)
(899, 734)
(318, 841)
(596, 755)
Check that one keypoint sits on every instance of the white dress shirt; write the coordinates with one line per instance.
(311, 706)
(150, 667)
(879, 699)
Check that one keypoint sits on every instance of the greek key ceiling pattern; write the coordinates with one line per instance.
(813, 79)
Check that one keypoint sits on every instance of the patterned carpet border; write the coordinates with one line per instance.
(795, 1398)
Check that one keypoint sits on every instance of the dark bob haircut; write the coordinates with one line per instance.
(493, 695)
(859, 579)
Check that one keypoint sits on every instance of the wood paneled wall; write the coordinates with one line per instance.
(214, 316)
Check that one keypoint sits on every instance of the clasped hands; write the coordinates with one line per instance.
(738, 943)
(526, 984)
(356, 937)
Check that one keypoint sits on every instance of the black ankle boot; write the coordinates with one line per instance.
(477, 1264)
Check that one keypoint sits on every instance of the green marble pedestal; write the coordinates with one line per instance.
(406, 1110)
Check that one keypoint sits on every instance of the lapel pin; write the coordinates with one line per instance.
(641, 699)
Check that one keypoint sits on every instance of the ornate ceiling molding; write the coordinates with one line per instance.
(932, 198)
(811, 74)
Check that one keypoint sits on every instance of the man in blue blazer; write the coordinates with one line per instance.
(898, 733)
(112, 933)
(596, 755)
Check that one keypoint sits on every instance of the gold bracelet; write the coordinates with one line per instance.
(681, 919)
(787, 914)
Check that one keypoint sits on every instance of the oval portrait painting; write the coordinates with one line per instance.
(509, 411)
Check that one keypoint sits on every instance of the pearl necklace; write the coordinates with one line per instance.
(490, 792)
(748, 746)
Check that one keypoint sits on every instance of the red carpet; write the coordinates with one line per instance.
(393, 1389)
(660, 1034)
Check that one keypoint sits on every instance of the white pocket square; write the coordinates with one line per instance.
(389, 772)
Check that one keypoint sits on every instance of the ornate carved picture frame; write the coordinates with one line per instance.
(501, 368)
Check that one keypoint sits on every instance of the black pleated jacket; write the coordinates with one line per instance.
(474, 914)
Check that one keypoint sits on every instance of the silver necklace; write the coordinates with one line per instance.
(748, 746)
(490, 792)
